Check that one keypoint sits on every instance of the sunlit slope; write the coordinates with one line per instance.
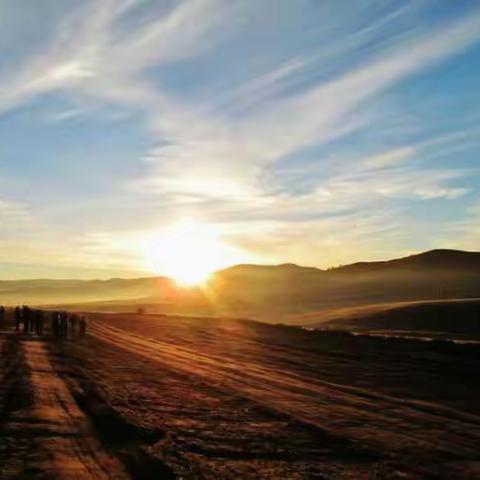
(442, 316)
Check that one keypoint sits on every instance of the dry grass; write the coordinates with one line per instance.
(238, 399)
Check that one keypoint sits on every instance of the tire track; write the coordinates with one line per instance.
(372, 418)
(61, 443)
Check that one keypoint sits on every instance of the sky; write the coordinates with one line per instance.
(310, 131)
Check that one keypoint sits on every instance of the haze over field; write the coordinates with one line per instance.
(283, 293)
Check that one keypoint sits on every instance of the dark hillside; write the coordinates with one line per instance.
(440, 259)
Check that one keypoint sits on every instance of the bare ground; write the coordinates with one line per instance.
(237, 399)
(43, 432)
(177, 397)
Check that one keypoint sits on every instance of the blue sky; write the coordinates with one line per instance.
(310, 131)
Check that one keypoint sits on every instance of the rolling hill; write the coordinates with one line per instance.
(433, 260)
(285, 293)
(450, 318)
(290, 291)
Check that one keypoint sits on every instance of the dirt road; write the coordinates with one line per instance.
(43, 433)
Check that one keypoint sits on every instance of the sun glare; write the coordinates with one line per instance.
(189, 253)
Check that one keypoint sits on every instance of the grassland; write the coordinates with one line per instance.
(217, 398)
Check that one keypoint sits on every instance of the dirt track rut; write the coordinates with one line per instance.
(367, 416)
(47, 435)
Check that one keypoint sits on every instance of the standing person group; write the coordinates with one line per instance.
(33, 320)
(62, 324)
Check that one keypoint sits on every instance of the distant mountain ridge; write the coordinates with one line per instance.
(431, 259)
(288, 291)
(283, 268)
(439, 259)
(269, 292)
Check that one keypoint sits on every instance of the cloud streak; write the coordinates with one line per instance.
(222, 149)
(278, 147)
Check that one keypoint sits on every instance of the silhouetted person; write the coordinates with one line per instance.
(42, 324)
(2, 314)
(73, 320)
(26, 319)
(33, 320)
(61, 321)
(39, 322)
(18, 318)
(55, 324)
(82, 328)
(63, 324)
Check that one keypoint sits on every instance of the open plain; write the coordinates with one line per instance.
(154, 396)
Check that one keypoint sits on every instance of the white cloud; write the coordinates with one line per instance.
(13, 215)
(92, 56)
(390, 158)
(206, 154)
(236, 151)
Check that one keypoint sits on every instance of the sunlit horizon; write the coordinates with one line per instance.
(189, 252)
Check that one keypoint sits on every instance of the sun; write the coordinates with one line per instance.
(189, 252)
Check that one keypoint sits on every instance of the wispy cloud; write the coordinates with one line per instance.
(223, 154)
(12, 212)
(463, 232)
(216, 155)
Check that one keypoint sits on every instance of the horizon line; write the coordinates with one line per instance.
(273, 265)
